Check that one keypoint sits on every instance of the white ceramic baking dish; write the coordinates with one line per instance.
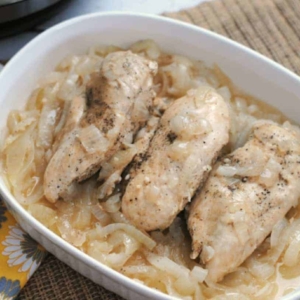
(249, 70)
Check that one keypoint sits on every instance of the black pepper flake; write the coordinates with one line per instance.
(171, 137)
(245, 179)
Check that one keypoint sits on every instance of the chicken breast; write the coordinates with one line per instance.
(117, 104)
(247, 193)
(189, 138)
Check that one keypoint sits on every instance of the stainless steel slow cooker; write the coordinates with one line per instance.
(12, 10)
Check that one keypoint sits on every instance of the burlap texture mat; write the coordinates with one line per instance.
(271, 27)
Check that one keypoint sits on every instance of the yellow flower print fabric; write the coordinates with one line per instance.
(20, 255)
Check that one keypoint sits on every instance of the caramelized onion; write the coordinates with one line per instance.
(131, 230)
(92, 139)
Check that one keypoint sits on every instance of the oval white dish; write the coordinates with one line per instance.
(249, 70)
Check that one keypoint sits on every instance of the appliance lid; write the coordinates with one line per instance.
(5, 2)
(11, 10)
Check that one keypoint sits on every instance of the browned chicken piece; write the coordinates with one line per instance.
(247, 193)
(189, 138)
(117, 104)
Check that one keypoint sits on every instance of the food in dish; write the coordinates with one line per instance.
(87, 211)
(191, 133)
(115, 106)
(248, 192)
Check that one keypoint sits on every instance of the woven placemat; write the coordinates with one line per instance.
(271, 27)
